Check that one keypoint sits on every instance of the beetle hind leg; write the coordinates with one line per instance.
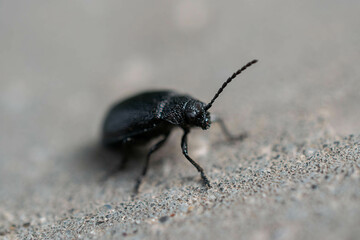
(196, 165)
(153, 149)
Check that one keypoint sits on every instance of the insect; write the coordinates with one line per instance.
(152, 114)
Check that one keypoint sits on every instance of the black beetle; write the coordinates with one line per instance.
(140, 118)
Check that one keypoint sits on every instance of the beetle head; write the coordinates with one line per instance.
(196, 115)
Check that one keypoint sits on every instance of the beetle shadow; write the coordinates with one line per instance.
(101, 164)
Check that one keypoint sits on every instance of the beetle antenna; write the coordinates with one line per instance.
(228, 81)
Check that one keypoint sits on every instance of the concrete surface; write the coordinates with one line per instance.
(63, 63)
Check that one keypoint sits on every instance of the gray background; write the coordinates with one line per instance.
(62, 63)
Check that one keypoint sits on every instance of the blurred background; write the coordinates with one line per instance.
(62, 63)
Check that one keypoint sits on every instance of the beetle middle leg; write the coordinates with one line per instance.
(185, 152)
(225, 130)
(151, 151)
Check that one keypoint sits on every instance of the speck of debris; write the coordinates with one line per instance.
(26, 224)
(107, 206)
(163, 219)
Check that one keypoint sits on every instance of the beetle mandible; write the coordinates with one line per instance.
(151, 114)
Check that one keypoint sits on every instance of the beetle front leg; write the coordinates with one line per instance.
(152, 150)
(229, 136)
(185, 152)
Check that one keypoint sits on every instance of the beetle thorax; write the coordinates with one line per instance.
(184, 111)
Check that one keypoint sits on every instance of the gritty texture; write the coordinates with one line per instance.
(297, 175)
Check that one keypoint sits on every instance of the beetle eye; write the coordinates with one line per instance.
(207, 118)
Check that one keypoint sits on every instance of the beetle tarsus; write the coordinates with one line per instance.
(240, 137)
(137, 185)
(205, 180)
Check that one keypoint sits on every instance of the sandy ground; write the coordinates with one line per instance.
(295, 177)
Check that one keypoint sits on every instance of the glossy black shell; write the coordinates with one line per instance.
(140, 118)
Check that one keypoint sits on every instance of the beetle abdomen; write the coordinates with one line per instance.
(134, 117)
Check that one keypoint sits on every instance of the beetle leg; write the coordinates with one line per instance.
(229, 136)
(152, 150)
(185, 152)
